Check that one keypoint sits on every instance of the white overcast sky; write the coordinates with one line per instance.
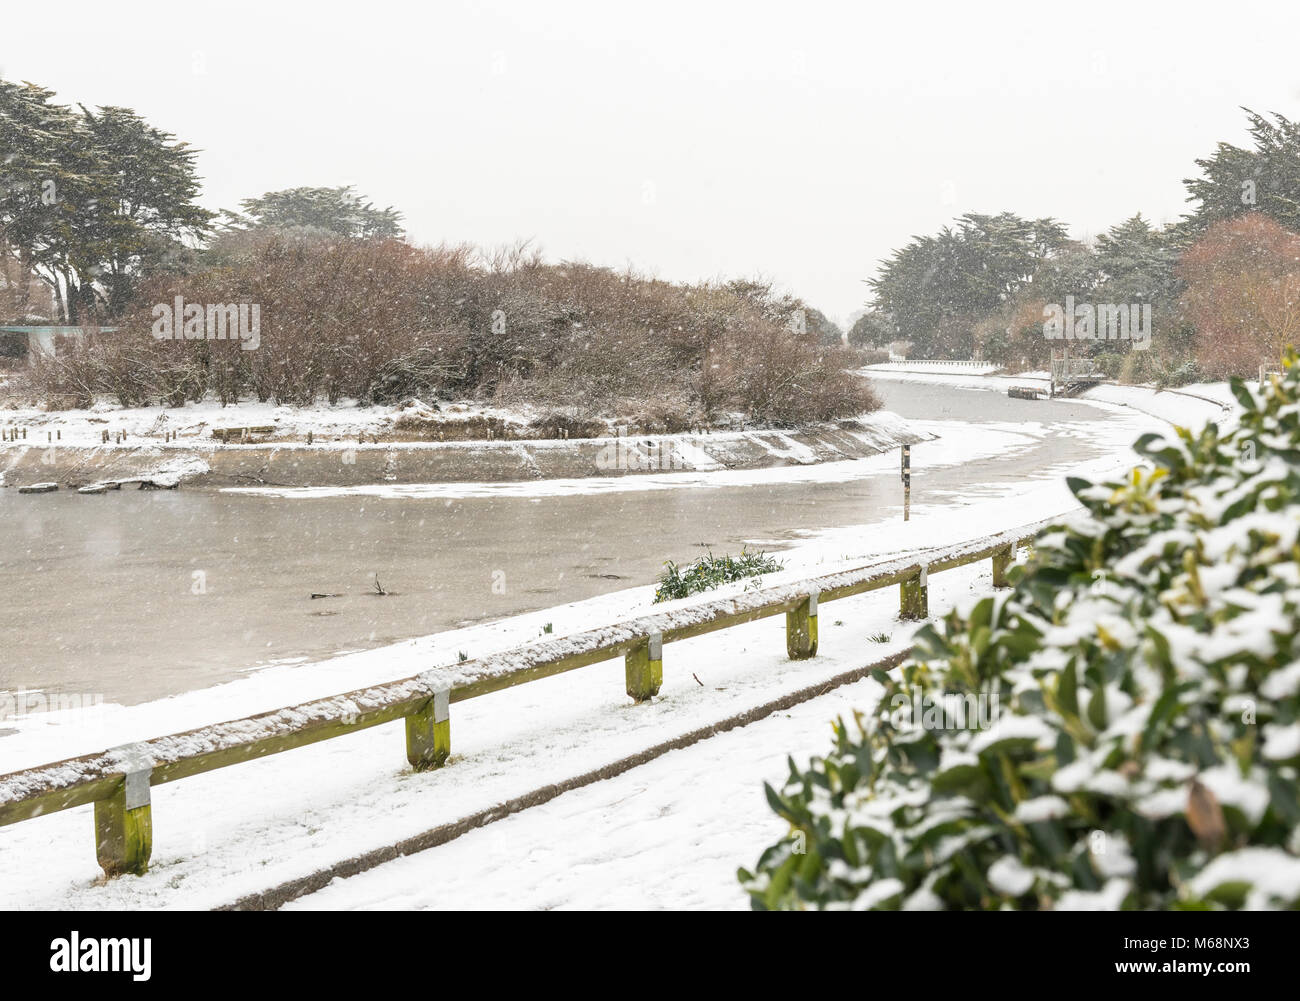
(801, 141)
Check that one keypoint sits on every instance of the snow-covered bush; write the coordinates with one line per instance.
(1143, 747)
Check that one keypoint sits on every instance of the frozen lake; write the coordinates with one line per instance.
(135, 595)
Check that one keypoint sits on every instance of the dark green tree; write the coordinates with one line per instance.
(937, 288)
(1234, 181)
(872, 329)
(339, 211)
(147, 210)
(46, 171)
(1136, 263)
(91, 200)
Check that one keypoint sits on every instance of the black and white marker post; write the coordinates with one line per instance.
(907, 482)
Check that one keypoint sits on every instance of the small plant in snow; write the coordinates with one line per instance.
(1146, 749)
(711, 571)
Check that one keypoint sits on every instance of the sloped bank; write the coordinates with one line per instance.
(352, 464)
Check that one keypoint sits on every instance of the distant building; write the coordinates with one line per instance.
(21, 340)
(27, 312)
(26, 301)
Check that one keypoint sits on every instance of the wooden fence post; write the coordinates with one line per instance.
(644, 667)
(801, 629)
(428, 733)
(914, 596)
(1001, 563)
(124, 821)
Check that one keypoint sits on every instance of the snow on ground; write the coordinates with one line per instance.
(194, 422)
(667, 834)
(960, 380)
(242, 829)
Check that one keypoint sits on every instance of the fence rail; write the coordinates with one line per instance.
(899, 363)
(118, 781)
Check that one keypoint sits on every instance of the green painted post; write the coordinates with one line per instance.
(914, 597)
(428, 733)
(124, 822)
(801, 630)
(644, 668)
(1001, 563)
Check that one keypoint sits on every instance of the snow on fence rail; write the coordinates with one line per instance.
(959, 365)
(118, 781)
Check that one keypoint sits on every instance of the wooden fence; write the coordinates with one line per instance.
(118, 781)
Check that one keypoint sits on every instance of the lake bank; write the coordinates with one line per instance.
(343, 462)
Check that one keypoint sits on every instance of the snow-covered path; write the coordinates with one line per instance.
(669, 834)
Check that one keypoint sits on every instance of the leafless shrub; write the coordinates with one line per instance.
(381, 321)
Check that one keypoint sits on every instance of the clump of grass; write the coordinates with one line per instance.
(549, 627)
(711, 571)
(462, 656)
(879, 638)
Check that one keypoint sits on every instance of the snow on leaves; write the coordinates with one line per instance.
(1148, 739)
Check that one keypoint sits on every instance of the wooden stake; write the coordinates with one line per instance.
(644, 668)
(914, 597)
(1001, 562)
(801, 630)
(428, 733)
(124, 824)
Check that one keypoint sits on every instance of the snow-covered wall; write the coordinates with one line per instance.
(341, 463)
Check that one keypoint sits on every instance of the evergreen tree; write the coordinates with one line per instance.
(1136, 263)
(1235, 181)
(937, 288)
(872, 329)
(91, 200)
(339, 211)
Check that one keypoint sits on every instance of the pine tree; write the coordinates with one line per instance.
(1235, 181)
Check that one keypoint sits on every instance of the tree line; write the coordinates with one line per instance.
(98, 209)
(1223, 282)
